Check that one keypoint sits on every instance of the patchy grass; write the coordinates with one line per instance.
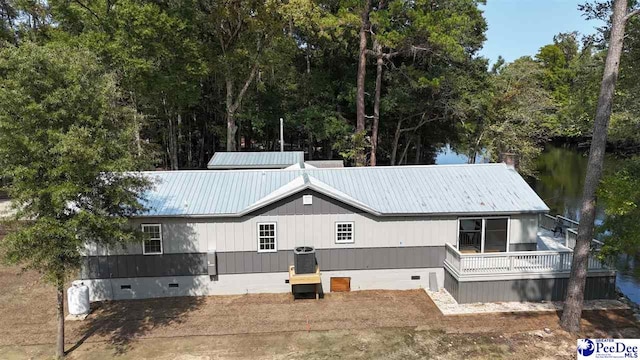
(392, 344)
(357, 325)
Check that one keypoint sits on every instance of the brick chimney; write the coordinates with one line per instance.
(511, 159)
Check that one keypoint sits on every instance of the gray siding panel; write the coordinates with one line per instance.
(123, 266)
(243, 262)
(292, 205)
(597, 287)
(334, 259)
(451, 284)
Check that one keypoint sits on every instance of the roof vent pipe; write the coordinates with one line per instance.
(281, 135)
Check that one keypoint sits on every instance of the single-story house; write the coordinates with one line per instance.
(473, 229)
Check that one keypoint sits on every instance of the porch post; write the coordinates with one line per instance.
(484, 225)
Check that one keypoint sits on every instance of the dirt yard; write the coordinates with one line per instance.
(357, 325)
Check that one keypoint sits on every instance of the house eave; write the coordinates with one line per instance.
(431, 214)
(251, 167)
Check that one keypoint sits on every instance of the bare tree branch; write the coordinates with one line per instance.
(632, 14)
(88, 9)
(423, 121)
(245, 87)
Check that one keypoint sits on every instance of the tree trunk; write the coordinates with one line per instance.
(201, 158)
(572, 311)
(418, 159)
(60, 339)
(192, 126)
(231, 119)
(136, 124)
(310, 148)
(248, 134)
(232, 129)
(471, 157)
(362, 71)
(396, 140)
(234, 104)
(172, 137)
(173, 144)
(179, 136)
(328, 150)
(403, 157)
(376, 103)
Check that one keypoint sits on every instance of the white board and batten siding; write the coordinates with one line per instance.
(200, 235)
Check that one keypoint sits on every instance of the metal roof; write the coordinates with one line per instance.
(255, 160)
(382, 191)
(325, 163)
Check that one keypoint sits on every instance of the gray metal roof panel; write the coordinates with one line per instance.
(255, 160)
(433, 189)
(326, 163)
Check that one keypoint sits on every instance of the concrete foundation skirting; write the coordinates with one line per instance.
(234, 284)
(523, 289)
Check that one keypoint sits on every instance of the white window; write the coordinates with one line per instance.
(152, 244)
(267, 237)
(344, 232)
(477, 235)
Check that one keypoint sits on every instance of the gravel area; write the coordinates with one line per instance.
(448, 305)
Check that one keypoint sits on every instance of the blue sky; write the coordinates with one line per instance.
(521, 27)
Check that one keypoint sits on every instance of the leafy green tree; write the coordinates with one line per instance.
(154, 50)
(426, 49)
(8, 18)
(242, 37)
(320, 96)
(620, 192)
(519, 114)
(65, 144)
(621, 12)
(625, 121)
(22, 20)
(571, 74)
(575, 116)
(472, 109)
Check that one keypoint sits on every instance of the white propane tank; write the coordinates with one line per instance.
(78, 299)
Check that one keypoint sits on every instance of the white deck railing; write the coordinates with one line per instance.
(572, 236)
(514, 262)
(548, 222)
(569, 229)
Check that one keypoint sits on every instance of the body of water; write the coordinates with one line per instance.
(558, 181)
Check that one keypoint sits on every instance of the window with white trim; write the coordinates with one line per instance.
(344, 232)
(267, 237)
(490, 234)
(152, 244)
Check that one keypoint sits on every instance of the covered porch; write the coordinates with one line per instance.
(481, 276)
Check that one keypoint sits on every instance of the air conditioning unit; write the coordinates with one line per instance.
(304, 260)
